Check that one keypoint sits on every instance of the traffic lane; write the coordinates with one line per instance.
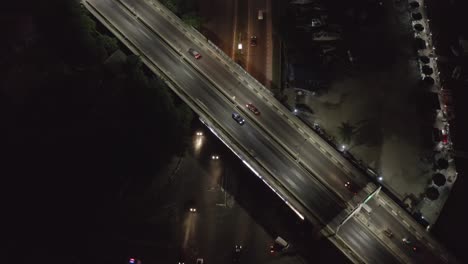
(365, 244)
(312, 192)
(272, 121)
(143, 10)
(324, 167)
(146, 34)
(256, 65)
(313, 195)
(163, 25)
(383, 218)
(285, 131)
(320, 165)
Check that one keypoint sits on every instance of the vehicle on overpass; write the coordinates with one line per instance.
(239, 119)
(194, 53)
(252, 108)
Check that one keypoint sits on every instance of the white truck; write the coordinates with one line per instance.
(279, 245)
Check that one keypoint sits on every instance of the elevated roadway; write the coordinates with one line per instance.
(295, 162)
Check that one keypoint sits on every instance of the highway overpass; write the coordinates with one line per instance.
(307, 173)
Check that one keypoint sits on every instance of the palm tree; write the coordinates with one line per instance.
(346, 132)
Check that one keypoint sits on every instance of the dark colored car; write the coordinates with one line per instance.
(239, 119)
(351, 187)
(194, 53)
(237, 254)
(252, 108)
(253, 41)
(409, 244)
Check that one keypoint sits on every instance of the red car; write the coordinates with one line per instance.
(252, 108)
(194, 53)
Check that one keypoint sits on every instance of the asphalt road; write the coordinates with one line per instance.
(315, 196)
(256, 55)
(272, 121)
(259, 132)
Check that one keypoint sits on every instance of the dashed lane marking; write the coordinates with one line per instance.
(406, 223)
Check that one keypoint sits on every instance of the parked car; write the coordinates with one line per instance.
(239, 119)
(316, 22)
(326, 36)
(194, 53)
(327, 49)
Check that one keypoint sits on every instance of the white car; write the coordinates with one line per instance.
(194, 53)
(200, 261)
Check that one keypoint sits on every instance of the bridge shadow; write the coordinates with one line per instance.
(271, 213)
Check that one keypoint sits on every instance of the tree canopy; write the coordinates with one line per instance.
(346, 132)
(77, 136)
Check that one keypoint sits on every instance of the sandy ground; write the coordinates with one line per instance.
(381, 105)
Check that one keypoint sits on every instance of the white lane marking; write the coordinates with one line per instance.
(404, 222)
(393, 211)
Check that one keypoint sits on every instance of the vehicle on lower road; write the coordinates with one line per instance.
(253, 41)
(237, 254)
(279, 245)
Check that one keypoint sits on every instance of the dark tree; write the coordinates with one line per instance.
(439, 179)
(442, 164)
(346, 132)
(432, 193)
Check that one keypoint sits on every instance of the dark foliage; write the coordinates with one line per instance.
(439, 179)
(432, 193)
(76, 139)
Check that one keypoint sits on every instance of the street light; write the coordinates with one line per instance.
(343, 147)
(380, 178)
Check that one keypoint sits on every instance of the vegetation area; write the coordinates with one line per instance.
(185, 9)
(81, 135)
